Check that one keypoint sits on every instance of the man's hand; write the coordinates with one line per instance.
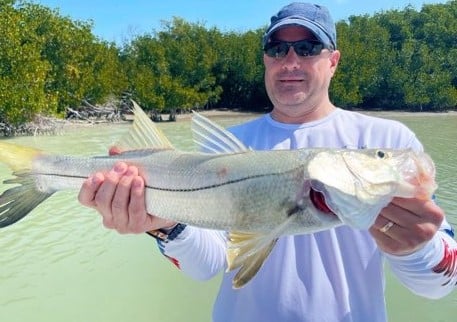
(119, 196)
(405, 225)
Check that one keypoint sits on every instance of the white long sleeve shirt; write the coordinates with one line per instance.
(333, 275)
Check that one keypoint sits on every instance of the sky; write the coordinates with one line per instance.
(120, 21)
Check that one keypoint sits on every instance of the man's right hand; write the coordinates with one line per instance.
(119, 196)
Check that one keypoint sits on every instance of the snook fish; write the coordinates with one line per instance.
(256, 196)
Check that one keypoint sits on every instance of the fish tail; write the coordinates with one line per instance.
(18, 201)
(17, 157)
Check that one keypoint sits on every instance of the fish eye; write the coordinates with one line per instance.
(381, 154)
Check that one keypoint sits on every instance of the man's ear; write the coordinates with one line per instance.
(334, 60)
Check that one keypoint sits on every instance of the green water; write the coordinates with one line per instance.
(60, 264)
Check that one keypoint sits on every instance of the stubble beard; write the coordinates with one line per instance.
(291, 96)
(294, 102)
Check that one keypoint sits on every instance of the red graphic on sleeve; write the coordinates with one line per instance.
(174, 261)
(448, 265)
(162, 250)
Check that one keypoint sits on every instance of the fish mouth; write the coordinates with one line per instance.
(318, 200)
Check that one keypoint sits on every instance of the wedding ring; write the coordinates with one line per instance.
(386, 227)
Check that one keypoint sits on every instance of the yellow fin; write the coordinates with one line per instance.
(18, 201)
(17, 157)
(247, 251)
(143, 134)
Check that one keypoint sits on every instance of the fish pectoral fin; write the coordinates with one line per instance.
(17, 202)
(247, 251)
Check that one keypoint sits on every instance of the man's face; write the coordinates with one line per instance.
(298, 85)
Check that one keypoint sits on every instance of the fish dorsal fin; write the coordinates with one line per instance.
(248, 251)
(214, 138)
(143, 133)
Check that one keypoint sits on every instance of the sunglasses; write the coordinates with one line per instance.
(304, 48)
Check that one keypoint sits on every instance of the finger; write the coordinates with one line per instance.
(389, 228)
(121, 200)
(139, 220)
(396, 239)
(89, 188)
(396, 214)
(390, 242)
(425, 210)
(381, 237)
(384, 241)
(389, 236)
(105, 194)
(420, 220)
(114, 150)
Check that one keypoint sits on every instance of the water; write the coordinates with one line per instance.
(438, 133)
(59, 264)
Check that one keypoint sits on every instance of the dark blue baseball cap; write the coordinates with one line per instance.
(314, 17)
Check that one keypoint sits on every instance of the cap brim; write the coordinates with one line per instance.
(314, 28)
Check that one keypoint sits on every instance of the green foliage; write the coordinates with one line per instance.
(147, 71)
(395, 59)
(49, 62)
(240, 70)
(192, 56)
(363, 45)
(174, 68)
(399, 59)
(22, 71)
(82, 68)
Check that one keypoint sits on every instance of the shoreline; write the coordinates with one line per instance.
(62, 125)
(407, 113)
(235, 113)
(223, 113)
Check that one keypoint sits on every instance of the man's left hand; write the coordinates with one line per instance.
(406, 225)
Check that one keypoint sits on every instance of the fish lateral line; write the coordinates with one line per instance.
(217, 185)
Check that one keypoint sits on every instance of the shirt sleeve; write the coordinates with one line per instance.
(431, 271)
(199, 253)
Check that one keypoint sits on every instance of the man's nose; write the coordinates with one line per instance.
(291, 60)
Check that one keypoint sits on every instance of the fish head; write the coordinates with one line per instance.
(357, 184)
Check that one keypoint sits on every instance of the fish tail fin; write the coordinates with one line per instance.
(17, 157)
(17, 202)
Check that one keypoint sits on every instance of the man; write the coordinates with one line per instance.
(334, 275)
